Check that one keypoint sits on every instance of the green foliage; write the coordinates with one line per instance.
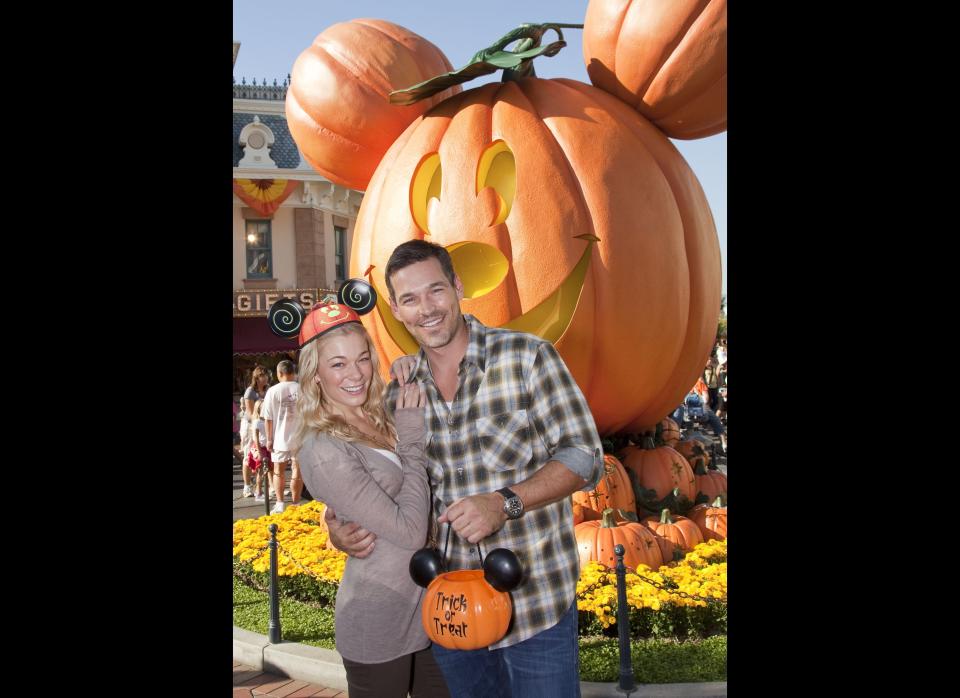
(656, 660)
(300, 586)
(298, 621)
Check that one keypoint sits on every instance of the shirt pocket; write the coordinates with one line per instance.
(505, 440)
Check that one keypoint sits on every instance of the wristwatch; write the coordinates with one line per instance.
(512, 505)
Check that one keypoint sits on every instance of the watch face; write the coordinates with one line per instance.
(513, 507)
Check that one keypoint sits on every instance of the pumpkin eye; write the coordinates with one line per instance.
(480, 267)
(497, 169)
(424, 188)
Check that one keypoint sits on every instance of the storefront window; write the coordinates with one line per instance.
(340, 236)
(259, 253)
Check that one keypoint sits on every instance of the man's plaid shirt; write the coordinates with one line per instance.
(516, 408)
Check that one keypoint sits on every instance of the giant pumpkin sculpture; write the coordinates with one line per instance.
(666, 58)
(568, 215)
(337, 107)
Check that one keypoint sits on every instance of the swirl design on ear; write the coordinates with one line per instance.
(286, 317)
(358, 295)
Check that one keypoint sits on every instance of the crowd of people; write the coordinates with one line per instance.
(483, 433)
(707, 399)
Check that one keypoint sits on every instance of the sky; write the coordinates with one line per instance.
(272, 35)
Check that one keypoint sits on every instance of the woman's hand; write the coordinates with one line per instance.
(411, 395)
(401, 369)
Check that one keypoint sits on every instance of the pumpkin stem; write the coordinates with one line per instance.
(720, 501)
(647, 443)
(607, 520)
(700, 469)
(665, 517)
(515, 64)
(628, 515)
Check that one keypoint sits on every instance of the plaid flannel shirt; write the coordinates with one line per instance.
(516, 408)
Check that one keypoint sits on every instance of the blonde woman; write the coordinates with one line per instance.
(369, 470)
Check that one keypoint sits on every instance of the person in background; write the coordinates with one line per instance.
(710, 379)
(259, 380)
(279, 412)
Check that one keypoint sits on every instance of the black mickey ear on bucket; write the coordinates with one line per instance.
(358, 295)
(285, 317)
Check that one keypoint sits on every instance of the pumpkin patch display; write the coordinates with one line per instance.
(666, 58)
(679, 530)
(337, 106)
(662, 476)
(695, 452)
(613, 491)
(711, 519)
(711, 483)
(669, 432)
(597, 539)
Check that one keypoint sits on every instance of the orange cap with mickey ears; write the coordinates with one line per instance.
(323, 318)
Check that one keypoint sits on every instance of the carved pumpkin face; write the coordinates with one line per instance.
(567, 215)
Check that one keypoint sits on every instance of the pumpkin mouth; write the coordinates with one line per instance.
(481, 268)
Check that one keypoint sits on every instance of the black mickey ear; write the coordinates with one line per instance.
(502, 569)
(286, 317)
(358, 295)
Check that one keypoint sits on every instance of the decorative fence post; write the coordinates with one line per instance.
(623, 625)
(273, 627)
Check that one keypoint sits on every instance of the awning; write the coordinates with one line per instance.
(252, 335)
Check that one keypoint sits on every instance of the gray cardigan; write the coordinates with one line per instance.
(378, 604)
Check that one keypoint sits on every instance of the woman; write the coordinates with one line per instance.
(369, 470)
(255, 391)
(259, 453)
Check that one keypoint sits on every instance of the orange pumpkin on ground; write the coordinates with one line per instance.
(581, 513)
(711, 519)
(710, 483)
(614, 491)
(596, 541)
(564, 211)
(679, 530)
(669, 432)
(337, 104)
(666, 58)
(461, 611)
(695, 452)
(661, 469)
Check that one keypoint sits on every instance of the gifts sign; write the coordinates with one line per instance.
(466, 609)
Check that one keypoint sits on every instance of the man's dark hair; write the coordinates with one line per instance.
(285, 368)
(414, 251)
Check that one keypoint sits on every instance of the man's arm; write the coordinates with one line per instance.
(480, 515)
(269, 425)
(350, 538)
(561, 417)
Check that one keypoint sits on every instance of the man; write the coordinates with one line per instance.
(510, 438)
(279, 412)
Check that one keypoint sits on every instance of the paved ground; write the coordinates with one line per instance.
(247, 681)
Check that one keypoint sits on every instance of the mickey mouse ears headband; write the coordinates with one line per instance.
(288, 318)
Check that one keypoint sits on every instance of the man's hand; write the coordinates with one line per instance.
(350, 538)
(475, 517)
(401, 369)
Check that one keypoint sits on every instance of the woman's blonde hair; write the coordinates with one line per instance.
(257, 372)
(314, 412)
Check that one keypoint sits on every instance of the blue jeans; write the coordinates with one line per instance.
(546, 665)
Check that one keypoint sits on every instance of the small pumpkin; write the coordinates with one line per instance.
(337, 105)
(667, 59)
(582, 512)
(711, 519)
(613, 491)
(679, 530)
(710, 483)
(660, 469)
(669, 432)
(695, 452)
(597, 539)
(461, 611)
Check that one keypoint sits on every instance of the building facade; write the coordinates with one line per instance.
(292, 228)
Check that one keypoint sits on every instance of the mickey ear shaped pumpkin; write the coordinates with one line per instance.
(338, 105)
(666, 58)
